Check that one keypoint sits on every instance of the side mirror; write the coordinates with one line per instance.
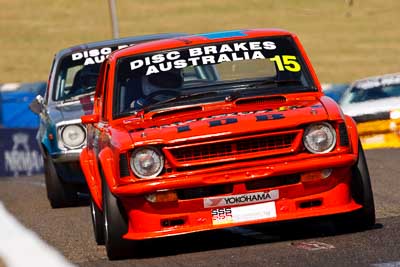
(36, 106)
(90, 119)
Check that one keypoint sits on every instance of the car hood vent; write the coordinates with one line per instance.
(262, 100)
(175, 112)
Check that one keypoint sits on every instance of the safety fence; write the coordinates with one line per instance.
(19, 151)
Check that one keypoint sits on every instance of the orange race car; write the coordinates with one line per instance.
(217, 130)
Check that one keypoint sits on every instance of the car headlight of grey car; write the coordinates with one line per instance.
(72, 136)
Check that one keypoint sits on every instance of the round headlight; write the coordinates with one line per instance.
(147, 162)
(73, 136)
(319, 138)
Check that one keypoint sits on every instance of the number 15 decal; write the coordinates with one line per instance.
(286, 62)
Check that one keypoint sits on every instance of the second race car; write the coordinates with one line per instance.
(69, 94)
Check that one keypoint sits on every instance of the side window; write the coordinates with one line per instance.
(104, 96)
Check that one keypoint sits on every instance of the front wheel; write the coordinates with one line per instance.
(98, 223)
(115, 226)
(59, 194)
(361, 191)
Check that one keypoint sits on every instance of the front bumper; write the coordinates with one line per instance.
(68, 166)
(66, 155)
(148, 221)
(296, 200)
(239, 173)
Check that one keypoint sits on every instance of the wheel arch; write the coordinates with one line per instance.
(90, 168)
(98, 170)
(352, 133)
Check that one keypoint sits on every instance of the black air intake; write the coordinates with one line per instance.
(344, 137)
(123, 166)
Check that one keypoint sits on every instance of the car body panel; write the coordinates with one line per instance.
(198, 167)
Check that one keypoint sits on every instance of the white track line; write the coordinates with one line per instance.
(20, 246)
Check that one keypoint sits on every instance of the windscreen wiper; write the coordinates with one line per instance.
(276, 82)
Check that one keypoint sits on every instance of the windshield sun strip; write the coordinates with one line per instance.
(306, 73)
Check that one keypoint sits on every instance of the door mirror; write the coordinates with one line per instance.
(36, 106)
(90, 119)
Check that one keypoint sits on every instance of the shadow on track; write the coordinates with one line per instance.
(242, 236)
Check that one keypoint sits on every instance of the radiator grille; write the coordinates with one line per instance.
(250, 147)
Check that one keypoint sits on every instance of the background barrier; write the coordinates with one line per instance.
(14, 104)
(19, 152)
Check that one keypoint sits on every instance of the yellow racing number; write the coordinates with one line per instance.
(286, 62)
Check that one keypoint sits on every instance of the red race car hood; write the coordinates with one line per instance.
(218, 121)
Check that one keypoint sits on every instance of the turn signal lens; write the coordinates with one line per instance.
(316, 175)
(163, 196)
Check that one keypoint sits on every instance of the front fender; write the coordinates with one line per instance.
(44, 140)
(353, 134)
(332, 108)
(94, 169)
(108, 168)
(90, 169)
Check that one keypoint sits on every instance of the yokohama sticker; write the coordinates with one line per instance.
(235, 200)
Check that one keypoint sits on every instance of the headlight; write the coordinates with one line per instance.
(147, 162)
(319, 138)
(73, 136)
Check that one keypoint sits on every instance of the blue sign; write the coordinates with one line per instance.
(19, 153)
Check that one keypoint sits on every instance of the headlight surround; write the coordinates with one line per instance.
(73, 136)
(319, 138)
(147, 162)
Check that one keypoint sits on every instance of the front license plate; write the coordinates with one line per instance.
(235, 200)
(243, 213)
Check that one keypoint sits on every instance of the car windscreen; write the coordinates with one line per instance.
(362, 92)
(77, 72)
(209, 73)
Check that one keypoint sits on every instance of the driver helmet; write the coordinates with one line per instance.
(172, 79)
(87, 76)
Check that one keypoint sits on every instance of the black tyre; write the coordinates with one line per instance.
(59, 194)
(98, 223)
(361, 190)
(115, 226)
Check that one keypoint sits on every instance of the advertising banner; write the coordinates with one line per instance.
(19, 152)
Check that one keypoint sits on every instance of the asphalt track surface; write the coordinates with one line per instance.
(303, 243)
